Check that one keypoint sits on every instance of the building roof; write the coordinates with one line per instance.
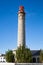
(35, 52)
(2, 54)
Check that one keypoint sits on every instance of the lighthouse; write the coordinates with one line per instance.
(21, 27)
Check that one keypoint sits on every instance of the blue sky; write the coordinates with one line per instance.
(9, 23)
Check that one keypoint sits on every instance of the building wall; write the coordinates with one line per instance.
(35, 59)
(2, 59)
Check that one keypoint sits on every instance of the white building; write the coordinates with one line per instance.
(2, 58)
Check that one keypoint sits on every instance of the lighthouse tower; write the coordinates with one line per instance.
(21, 26)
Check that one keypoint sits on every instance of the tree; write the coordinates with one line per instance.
(9, 56)
(41, 56)
(23, 55)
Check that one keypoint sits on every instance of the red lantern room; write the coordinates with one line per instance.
(21, 9)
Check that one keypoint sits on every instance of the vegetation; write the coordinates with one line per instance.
(9, 56)
(23, 55)
(41, 56)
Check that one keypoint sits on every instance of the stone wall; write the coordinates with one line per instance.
(21, 63)
(29, 64)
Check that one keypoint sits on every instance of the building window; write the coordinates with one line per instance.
(34, 60)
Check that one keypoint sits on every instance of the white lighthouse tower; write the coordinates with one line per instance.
(21, 26)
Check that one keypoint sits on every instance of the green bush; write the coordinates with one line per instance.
(23, 55)
(9, 56)
(41, 56)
